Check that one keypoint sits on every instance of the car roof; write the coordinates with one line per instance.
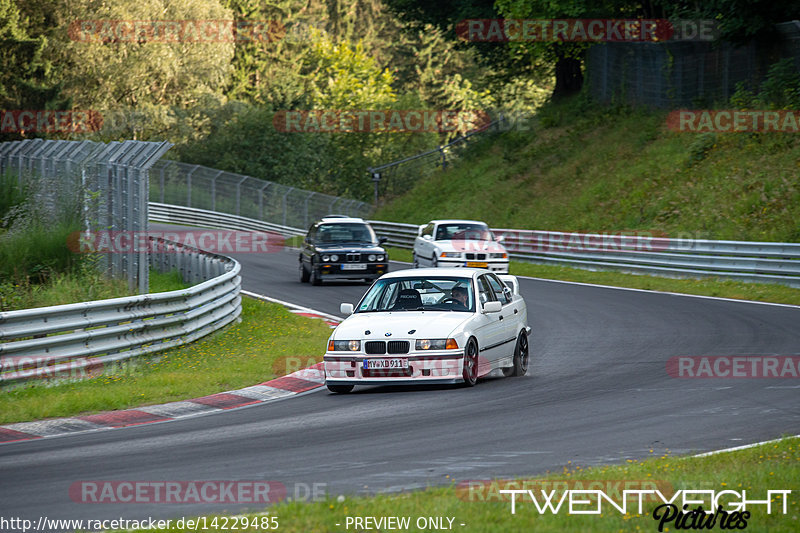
(342, 219)
(456, 221)
(435, 272)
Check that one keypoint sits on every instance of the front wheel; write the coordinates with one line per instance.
(340, 389)
(520, 367)
(314, 276)
(470, 372)
(415, 260)
(304, 276)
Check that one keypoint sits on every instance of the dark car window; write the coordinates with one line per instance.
(463, 230)
(502, 295)
(485, 292)
(334, 233)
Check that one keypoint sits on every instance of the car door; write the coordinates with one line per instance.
(510, 315)
(490, 329)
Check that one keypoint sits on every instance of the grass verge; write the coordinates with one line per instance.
(267, 342)
(739, 290)
(772, 466)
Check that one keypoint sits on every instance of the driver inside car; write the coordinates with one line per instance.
(460, 293)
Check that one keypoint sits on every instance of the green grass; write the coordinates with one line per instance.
(772, 466)
(590, 169)
(268, 342)
(79, 285)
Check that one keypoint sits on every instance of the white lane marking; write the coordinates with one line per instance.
(744, 447)
(292, 305)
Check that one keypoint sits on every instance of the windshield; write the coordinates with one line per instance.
(419, 294)
(345, 233)
(463, 231)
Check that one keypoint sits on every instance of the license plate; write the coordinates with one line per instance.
(385, 364)
(476, 264)
(355, 266)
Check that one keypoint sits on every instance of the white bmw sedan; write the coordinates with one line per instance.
(443, 325)
(459, 243)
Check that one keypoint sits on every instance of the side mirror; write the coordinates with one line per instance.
(501, 239)
(382, 240)
(347, 309)
(492, 307)
(427, 237)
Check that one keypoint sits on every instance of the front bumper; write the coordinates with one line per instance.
(337, 271)
(436, 367)
(500, 266)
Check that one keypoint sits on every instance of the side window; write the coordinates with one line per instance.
(428, 230)
(485, 290)
(312, 234)
(499, 289)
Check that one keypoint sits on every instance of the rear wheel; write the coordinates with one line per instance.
(520, 367)
(470, 372)
(340, 389)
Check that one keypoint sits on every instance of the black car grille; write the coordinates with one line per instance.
(475, 256)
(375, 347)
(381, 347)
(353, 258)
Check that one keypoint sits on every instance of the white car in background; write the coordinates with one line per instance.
(459, 243)
(443, 325)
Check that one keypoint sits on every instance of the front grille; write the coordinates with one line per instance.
(398, 346)
(471, 255)
(375, 347)
(353, 258)
(386, 373)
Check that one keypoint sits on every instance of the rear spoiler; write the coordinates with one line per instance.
(511, 281)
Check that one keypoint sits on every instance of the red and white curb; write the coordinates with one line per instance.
(298, 382)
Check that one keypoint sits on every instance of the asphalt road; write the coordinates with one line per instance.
(597, 392)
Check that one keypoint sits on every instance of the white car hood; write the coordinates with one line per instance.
(469, 246)
(428, 325)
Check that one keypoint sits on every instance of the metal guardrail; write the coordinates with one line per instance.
(64, 340)
(748, 261)
(190, 216)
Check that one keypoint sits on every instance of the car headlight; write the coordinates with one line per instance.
(372, 257)
(326, 258)
(436, 344)
(344, 346)
(451, 254)
(334, 257)
(380, 257)
(498, 255)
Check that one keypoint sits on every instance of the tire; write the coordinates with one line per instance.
(314, 276)
(521, 357)
(434, 262)
(340, 389)
(304, 276)
(470, 371)
(415, 260)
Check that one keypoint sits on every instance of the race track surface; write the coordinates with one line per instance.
(597, 392)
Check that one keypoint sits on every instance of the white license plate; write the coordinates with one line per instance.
(354, 266)
(385, 364)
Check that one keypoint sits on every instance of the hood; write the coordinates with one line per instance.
(353, 247)
(428, 325)
(457, 245)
